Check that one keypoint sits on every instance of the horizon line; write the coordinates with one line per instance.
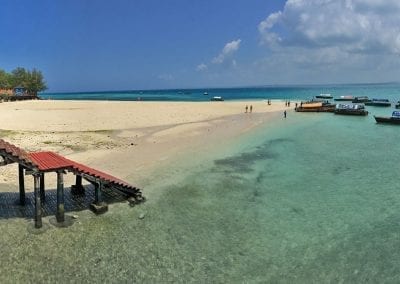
(226, 87)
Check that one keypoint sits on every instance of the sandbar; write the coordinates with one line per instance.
(126, 139)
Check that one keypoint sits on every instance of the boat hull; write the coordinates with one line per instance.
(382, 104)
(343, 100)
(360, 100)
(389, 120)
(316, 109)
(351, 112)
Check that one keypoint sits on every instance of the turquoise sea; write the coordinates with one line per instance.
(302, 92)
(313, 198)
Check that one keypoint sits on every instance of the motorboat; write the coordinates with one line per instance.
(379, 102)
(350, 109)
(344, 98)
(217, 98)
(394, 119)
(313, 106)
(324, 96)
(361, 99)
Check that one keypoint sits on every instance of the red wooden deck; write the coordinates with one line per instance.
(50, 161)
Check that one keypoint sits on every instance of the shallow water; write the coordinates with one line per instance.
(313, 198)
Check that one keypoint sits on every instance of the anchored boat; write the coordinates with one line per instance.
(324, 96)
(217, 98)
(394, 119)
(379, 102)
(350, 109)
(344, 98)
(361, 99)
(313, 106)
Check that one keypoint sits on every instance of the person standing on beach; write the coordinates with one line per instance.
(251, 108)
(284, 113)
(246, 108)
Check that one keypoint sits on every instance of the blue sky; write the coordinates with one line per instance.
(147, 44)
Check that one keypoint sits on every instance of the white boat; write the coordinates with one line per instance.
(351, 109)
(217, 98)
(345, 98)
(205, 93)
(324, 96)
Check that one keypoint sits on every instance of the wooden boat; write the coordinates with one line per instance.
(350, 109)
(324, 96)
(217, 98)
(315, 107)
(394, 119)
(344, 98)
(361, 99)
(379, 102)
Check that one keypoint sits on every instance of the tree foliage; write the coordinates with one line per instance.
(32, 81)
(4, 80)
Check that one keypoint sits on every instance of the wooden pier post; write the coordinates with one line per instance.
(42, 192)
(60, 197)
(98, 207)
(38, 205)
(77, 188)
(97, 193)
(21, 184)
(78, 181)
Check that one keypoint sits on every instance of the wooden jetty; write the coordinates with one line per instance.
(39, 163)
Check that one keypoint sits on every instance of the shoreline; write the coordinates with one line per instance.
(129, 140)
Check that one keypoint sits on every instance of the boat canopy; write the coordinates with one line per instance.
(349, 106)
(396, 114)
(312, 105)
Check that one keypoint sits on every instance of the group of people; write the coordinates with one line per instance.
(250, 110)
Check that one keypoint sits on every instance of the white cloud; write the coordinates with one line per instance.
(333, 38)
(227, 51)
(201, 67)
(353, 25)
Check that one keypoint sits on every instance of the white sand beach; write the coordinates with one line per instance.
(125, 139)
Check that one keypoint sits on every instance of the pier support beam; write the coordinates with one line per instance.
(98, 207)
(60, 197)
(97, 193)
(38, 205)
(21, 184)
(77, 188)
(42, 192)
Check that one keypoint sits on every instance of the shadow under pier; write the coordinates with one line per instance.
(10, 206)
